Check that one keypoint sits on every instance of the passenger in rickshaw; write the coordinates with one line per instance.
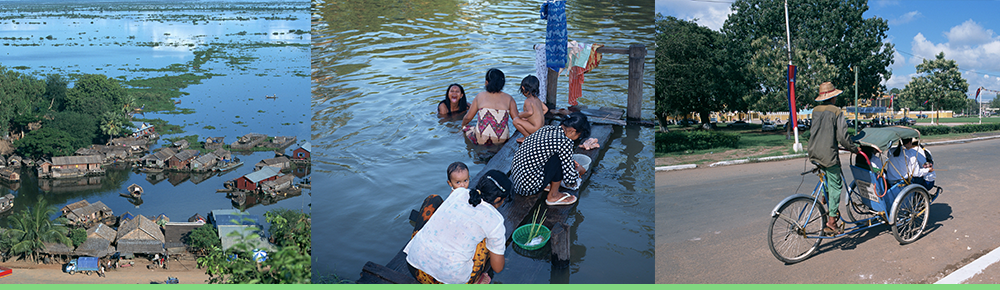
(906, 162)
(925, 175)
(876, 162)
(828, 130)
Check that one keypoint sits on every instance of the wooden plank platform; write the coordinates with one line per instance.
(516, 211)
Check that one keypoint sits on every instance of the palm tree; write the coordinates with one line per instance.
(31, 227)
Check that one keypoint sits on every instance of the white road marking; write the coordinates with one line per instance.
(971, 269)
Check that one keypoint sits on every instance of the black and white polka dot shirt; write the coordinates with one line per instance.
(527, 169)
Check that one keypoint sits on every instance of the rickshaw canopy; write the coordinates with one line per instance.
(884, 137)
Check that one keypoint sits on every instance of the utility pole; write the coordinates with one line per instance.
(791, 84)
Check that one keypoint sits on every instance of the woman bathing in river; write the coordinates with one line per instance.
(462, 235)
(532, 117)
(491, 109)
(454, 101)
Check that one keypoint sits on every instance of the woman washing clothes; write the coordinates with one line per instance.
(546, 159)
(454, 101)
(491, 109)
(462, 235)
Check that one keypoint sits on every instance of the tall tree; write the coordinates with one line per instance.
(55, 92)
(694, 71)
(996, 102)
(31, 227)
(19, 94)
(769, 67)
(939, 86)
(835, 29)
(95, 94)
(48, 142)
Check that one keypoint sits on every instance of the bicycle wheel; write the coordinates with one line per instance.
(786, 237)
(911, 215)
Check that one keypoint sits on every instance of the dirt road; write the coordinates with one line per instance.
(185, 269)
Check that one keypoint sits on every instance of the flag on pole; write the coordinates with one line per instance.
(977, 93)
(792, 112)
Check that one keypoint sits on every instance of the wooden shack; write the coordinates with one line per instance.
(10, 174)
(144, 130)
(83, 212)
(98, 243)
(228, 221)
(248, 141)
(281, 183)
(223, 154)
(302, 153)
(252, 180)
(279, 163)
(70, 166)
(213, 143)
(140, 236)
(132, 144)
(158, 159)
(204, 162)
(14, 161)
(181, 160)
(6, 202)
(181, 144)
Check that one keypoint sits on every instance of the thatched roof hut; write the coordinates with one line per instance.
(140, 235)
(98, 242)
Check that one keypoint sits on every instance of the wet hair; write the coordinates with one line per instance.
(578, 121)
(493, 185)
(456, 166)
(495, 80)
(529, 86)
(463, 104)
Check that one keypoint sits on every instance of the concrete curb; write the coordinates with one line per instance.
(748, 160)
(675, 167)
(970, 270)
(784, 157)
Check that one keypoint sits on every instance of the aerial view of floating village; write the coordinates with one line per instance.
(155, 142)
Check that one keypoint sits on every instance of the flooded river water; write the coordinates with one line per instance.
(379, 69)
(261, 50)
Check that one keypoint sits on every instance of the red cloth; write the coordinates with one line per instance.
(575, 84)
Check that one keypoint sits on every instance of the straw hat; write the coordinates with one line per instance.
(827, 91)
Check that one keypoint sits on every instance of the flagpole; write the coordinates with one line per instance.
(791, 85)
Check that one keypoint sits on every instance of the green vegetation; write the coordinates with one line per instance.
(78, 235)
(30, 228)
(208, 127)
(289, 263)
(163, 127)
(193, 143)
(203, 239)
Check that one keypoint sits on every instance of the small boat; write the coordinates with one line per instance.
(274, 96)
(228, 165)
(6, 202)
(135, 190)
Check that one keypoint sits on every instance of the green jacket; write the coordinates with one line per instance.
(828, 129)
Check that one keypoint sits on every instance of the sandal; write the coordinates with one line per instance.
(562, 200)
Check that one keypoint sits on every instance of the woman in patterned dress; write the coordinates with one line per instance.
(491, 109)
(546, 158)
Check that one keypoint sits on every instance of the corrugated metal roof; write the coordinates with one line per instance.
(70, 160)
(263, 173)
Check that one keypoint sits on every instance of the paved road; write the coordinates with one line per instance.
(711, 225)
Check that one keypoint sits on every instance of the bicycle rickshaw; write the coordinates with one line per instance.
(797, 221)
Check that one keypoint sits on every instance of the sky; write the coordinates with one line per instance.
(966, 31)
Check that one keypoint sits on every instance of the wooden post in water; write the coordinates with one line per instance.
(636, 64)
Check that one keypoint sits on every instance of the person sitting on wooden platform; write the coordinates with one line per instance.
(546, 158)
(462, 235)
(532, 117)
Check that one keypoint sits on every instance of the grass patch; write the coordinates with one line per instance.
(163, 127)
(974, 120)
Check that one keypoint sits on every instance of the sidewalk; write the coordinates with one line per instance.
(791, 156)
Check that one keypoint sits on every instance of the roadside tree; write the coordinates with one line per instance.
(694, 71)
(835, 29)
(939, 86)
(769, 67)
